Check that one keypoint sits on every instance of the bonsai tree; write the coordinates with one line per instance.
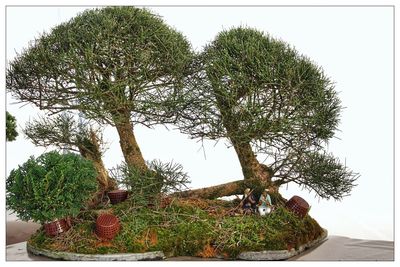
(121, 66)
(50, 187)
(11, 127)
(266, 99)
(65, 132)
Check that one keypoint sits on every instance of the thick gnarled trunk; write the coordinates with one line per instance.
(129, 146)
(91, 151)
(251, 168)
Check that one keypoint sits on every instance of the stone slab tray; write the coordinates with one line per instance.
(267, 255)
(274, 255)
(69, 256)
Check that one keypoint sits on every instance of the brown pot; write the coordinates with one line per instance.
(56, 227)
(298, 206)
(117, 196)
(107, 226)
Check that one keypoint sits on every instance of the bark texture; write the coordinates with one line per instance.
(130, 148)
(90, 149)
(251, 167)
(227, 189)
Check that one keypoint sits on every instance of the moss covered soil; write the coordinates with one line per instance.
(185, 227)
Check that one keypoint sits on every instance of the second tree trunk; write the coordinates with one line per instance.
(251, 168)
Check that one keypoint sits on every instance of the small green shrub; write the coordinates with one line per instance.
(51, 186)
(11, 127)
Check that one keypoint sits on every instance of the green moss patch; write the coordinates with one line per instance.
(204, 228)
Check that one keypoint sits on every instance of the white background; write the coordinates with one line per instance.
(354, 45)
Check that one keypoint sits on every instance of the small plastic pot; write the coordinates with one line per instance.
(298, 206)
(56, 227)
(117, 196)
(107, 226)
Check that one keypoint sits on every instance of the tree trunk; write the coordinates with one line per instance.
(130, 148)
(251, 168)
(227, 189)
(91, 151)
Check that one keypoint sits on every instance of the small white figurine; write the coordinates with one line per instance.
(264, 203)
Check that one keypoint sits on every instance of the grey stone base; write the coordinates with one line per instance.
(273, 255)
(148, 256)
(267, 255)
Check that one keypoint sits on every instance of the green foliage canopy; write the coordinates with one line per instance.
(109, 63)
(252, 87)
(52, 186)
(11, 127)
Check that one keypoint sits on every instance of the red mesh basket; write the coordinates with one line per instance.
(298, 205)
(107, 226)
(117, 196)
(56, 227)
